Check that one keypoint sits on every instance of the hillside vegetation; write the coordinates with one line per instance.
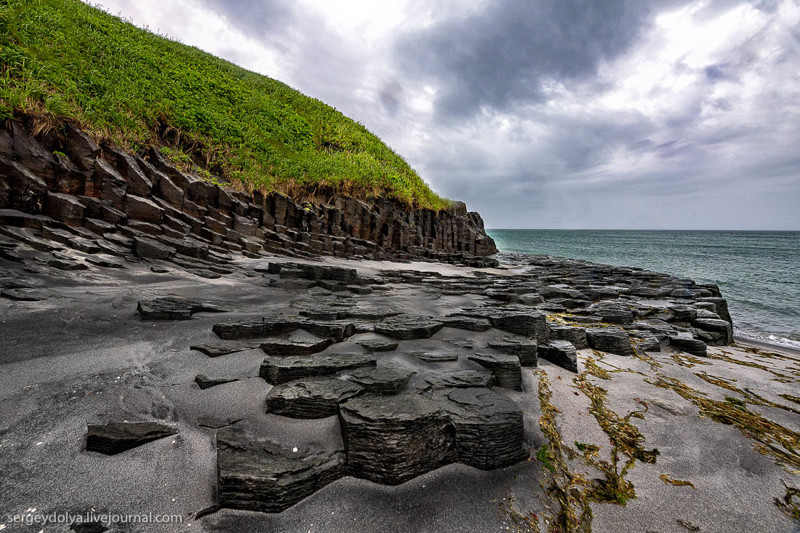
(62, 59)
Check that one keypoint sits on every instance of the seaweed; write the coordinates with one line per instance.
(788, 505)
(677, 482)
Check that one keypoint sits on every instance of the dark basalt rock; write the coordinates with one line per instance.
(316, 397)
(258, 475)
(689, 345)
(489, 429)
(505, 369)
(460, 379)
(255, 328)
(117, 437)
(467, 323)
(721, 331)
(276, 370)
(205, 382)
(612, 312)
(573, 334)
(611, 340)
(525, 349)
(172, 308)
(371, 313)
(435, 357)
(217, 350)
(378, 345)
(389, 379)
(295, 346)
(561, 353)
(391, 439)
(529, 324)
(337, 330)
(152, 249)
(407, 327)
(348, 276)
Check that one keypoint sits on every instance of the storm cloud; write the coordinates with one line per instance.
(546, 113)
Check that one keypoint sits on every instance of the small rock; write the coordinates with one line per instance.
(205, 382)
(117, 437)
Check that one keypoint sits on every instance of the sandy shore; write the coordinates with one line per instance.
(82, 355)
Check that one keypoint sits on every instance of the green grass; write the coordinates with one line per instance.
(62, 59)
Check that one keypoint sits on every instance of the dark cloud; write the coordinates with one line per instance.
(265, 20)
(510, 51)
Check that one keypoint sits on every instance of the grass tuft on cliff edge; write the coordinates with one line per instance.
(65, 60)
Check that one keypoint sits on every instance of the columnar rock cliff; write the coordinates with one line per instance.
(64, 175)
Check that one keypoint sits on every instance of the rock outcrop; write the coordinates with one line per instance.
(62, 180)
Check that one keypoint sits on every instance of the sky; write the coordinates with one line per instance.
(574, 114)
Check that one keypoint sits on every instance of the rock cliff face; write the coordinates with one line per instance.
(65, 176)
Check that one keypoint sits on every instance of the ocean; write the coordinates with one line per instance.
(758, 272)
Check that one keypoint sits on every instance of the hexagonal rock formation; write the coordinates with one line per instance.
(277, 325)
(525, 349)
(489, 427)
(611, 340)
(277, 370)
(259, 475)
(505, 369)
(389, 379)
(391, 439)
(408, 327)
(316, 397)
(561, 353)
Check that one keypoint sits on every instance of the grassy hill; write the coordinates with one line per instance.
(62, 59)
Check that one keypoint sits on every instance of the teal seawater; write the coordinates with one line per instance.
(758, 272)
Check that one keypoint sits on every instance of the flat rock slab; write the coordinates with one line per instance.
(489, 427)
(276, 370)
(561, 353)
(467, 323)
(408, 327)
(371, 313)
(256, 328)
(205, 382)
(505, 369)
(117, 437)
(256, 474)
(391, 439)
(295, 346)
(435, 357)
(217, 350)
(171, 308)
(316, 397)
(22, 295)
(460, 379)
(525, 349)
(389, 379)
(378, 345)
(611, 340)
